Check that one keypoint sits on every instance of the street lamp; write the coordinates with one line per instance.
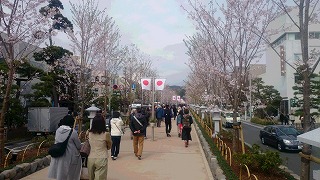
(202, 109)
(216, 118)
(92, 112)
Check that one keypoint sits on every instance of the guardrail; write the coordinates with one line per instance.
(40, 147)
(24, 152)
(223, 148)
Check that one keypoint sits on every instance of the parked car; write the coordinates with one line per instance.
(283, 137)
(227, 118)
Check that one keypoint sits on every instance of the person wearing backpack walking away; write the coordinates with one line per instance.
(179, 121)
(186, 129)
(116, 133)
(68, 166)
(138, 126)
(167, 120)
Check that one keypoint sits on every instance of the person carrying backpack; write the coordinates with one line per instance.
(186, 129)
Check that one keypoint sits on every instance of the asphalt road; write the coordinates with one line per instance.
(290, 159)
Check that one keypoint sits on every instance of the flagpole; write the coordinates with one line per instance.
(152, 108)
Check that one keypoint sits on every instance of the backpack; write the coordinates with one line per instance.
(186, 121)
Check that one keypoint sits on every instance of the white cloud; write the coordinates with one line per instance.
(153, 26)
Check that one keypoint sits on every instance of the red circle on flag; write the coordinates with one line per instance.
(145, 82)
(159, 83)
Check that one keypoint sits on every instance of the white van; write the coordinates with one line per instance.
(227, 118)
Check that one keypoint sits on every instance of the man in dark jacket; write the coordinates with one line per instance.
(138, 125)
(159, 115)
(167, 120)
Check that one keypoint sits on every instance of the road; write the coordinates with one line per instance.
(290, 159)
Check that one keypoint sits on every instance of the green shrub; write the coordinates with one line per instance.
(226, 134)
(267, 161)
(257, 120)
(49, 140)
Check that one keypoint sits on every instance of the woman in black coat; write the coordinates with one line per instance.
(186, 129)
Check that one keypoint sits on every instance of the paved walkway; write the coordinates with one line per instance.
(162, 158)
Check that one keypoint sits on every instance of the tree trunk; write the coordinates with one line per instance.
(304, 23)
(5, 107)
(55, 97)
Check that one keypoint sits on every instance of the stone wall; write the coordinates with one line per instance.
(212, 159)
(25, 169)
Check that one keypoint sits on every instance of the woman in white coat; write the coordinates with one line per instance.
(68, 166)
(116, 124)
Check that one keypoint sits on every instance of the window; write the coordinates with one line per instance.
(297, 36)
(314, 35)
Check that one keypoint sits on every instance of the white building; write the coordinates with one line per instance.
(287, 43)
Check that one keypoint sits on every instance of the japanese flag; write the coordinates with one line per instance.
(178, 98)
(159, 84)
(173, 98)
(146, 84)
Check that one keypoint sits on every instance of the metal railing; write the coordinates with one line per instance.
(223, 148)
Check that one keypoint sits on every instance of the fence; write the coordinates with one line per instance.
(207, 125)
(18, 155)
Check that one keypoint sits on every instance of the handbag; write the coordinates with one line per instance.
(58, 149)
(85, 149)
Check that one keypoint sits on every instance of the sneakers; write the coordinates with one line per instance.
(179, 135)
(168, 135)
(139, 157)
(186, 143)
(112, 157)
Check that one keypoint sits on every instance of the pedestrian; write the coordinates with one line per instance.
(138, 125)
(116, 133)
(167, 120)
(174, 111)
(186, 129)
(133, 111)
(68, 166)
(302, 122)
(146, 113)
(100, 142)
(159, 115)
(282, 118)
(286, 119)
(179, 121)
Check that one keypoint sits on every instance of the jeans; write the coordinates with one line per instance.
(115, 145)
(168, 126)
(159, 122)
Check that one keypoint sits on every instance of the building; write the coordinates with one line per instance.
(280, 65)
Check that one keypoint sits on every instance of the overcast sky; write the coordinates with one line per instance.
(157, 27)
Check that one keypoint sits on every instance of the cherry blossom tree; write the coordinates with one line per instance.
(95, 40)
(21, 28)
(226, 42)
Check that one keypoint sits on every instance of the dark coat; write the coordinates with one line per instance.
(186, 132)
(135, 126)
(167, 114)
(159, 113)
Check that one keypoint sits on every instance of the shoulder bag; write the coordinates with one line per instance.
(137, 121)
(58, 149)
(85, 149)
